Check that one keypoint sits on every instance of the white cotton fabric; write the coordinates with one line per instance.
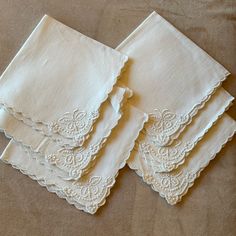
(72, 163)
(175, 184)
(167, 158)
(58, 80)
(171, 77)
(90, 192)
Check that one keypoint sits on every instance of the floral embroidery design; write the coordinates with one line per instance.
(75, 125)
(164, 159)
(73, 161)
(163, 124)
(171, 186)
(88, 193)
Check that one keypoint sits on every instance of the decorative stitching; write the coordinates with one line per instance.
(167, 158)
(164, 159)
(170, 186)
(173, 186)
(28, 120)
(74, 125)
(69, 193)
(93, 195)
(74, 161)
(163, 124)
(89, 193)
(177, 122)
(69, 131)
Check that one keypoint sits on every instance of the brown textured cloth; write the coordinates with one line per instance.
(132, 208)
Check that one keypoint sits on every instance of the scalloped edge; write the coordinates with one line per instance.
(122, 101)
(205, 131)
(62, 141)
(204, 99)
(103, 201)
(83, 171)
(25, 117)
(197, 107)
(43, 183)
(190, 184)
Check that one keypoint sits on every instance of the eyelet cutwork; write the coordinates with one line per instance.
(74, 125)
(171, 186)
(75, 161)
(164, 159)
(163, 124)
(89, 193)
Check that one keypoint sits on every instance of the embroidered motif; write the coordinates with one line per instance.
(74, 125)
(171, 186)
(73, 161)
(52, 159)
(69, 192)
(89, 193)
(163, 124)
(94, 189)
(164, 159)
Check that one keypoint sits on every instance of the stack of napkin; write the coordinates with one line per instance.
(77, 111)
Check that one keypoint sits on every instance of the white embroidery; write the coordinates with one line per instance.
(163, 124)
(171, 186)
(75, 125)
(89, 193)
(164, 159)
(74, 161)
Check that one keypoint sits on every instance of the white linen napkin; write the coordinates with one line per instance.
(75, 162)
(175, 184)
(171, 77)
(167, 158)
(58, 80)
(89, 192)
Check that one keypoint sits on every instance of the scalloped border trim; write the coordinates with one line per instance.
(190, 184)
(92, 162)
(122, 101)
(44, 183)
(209, 126)
(197, 107)
(23, 117)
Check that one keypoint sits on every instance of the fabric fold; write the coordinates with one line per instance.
(167, 158)
(75, 162)
(175, 184)
(172, 78)
(58, 80)
(89, 192)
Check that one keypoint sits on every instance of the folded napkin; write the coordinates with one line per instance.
(175, 184)
(89, 192)
(58, 80)
(167, 158)
(72, 132)
(75, 162)
(172, 78)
